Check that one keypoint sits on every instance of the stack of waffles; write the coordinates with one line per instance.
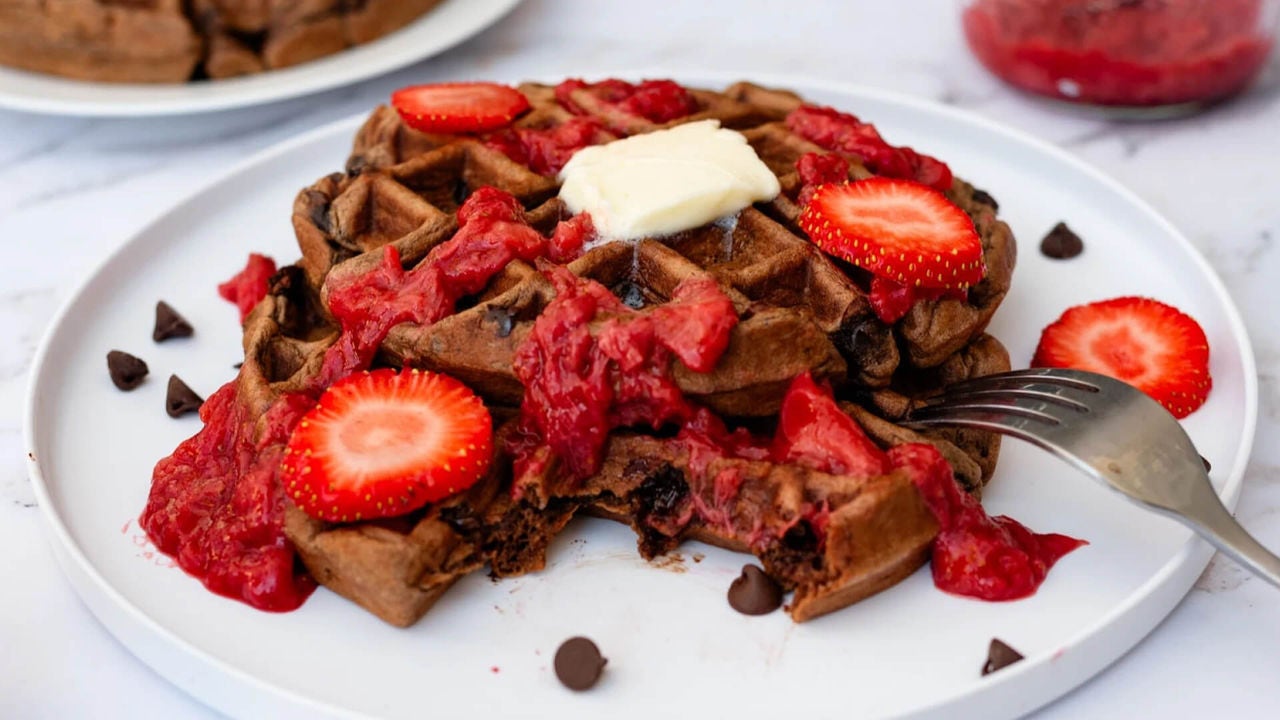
(800, 311)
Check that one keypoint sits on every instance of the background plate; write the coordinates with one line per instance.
(446, 25)
(673, 643)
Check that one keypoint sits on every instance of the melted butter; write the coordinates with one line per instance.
(665, 181)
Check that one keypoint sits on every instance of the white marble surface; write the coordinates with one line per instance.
(71, 190)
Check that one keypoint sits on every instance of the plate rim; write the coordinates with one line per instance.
(324, 73)
(1166, 586)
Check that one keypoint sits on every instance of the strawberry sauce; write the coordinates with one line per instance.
(845, 134)
(580, 386)
(975, 555)
(217, 508)
(658, 101)
(249, 286)
(546, 150)
(1130, 54)
(217, 505)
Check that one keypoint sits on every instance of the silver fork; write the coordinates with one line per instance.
(1112, 432)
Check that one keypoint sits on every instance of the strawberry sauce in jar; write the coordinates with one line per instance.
(1157, 56)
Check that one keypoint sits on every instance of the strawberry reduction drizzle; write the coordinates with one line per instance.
(975, 555)
(217, 504)
(249, 286)
(843, 133)
(545, 150)
(657, 101)
(581, 385)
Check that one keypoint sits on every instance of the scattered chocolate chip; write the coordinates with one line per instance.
(502, 317)
(999, 655)
(181, 399)
(127, 371)
(1207, 466)
(237, 366)
(982, 197)
(169, 323)
(1061, 243)
(754, 592)
(579, 663)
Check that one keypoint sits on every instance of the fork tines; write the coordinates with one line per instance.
(1020, 393)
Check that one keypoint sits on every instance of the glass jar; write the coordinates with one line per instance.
(1148, 56)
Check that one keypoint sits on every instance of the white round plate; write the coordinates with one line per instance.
(673, 644)
(446, 25)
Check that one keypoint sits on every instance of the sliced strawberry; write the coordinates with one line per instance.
(385, 443)
(1152, 346)
(897, 229)
(459, 107)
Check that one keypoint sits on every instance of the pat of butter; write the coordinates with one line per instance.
(665, 181)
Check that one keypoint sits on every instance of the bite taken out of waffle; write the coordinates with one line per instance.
(813, 356)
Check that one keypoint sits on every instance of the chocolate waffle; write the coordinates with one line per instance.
(369, 241)
(142, 41)
(799, 311)
(877, 531)
(247, 36)
(423, 165)
(168, 41)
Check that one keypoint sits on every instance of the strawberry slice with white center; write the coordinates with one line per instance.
(1153, 346)
(459, 107)
(385, 443)
(896, 229)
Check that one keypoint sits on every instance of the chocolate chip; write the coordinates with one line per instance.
(999, 655)
(502, 317)
(127, 371)
(579, 663)
(754, 592)
(181, 399)
(982, 197)
(1061, 243)
(1207, 466)
(169, 323)
(237, 366)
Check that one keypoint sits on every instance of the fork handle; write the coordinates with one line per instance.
(1211, 519)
